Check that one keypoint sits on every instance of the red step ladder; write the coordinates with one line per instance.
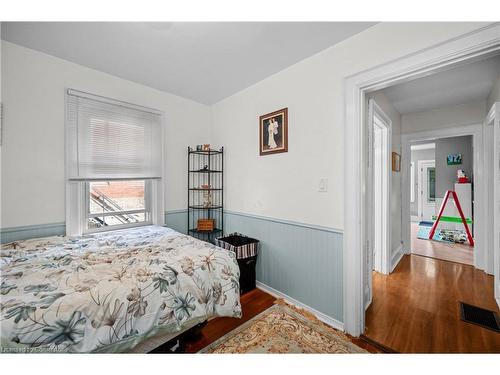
(457, 203)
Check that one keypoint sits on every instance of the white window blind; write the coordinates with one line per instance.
(108, 139)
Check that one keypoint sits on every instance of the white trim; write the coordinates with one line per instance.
(425, 146)
(396, 257)
(480, 42)
(475, 130)
(492, 161)
(323, 317)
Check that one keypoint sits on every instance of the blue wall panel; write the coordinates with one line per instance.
(301, 261)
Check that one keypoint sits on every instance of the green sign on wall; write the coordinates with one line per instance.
(454, 159)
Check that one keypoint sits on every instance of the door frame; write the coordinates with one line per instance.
(420, 165)
(378, 118)
(474, 130)
(493, 155)
(465, 48)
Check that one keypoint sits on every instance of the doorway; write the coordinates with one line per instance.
(436, 177)
(469, 48)
(426, 189)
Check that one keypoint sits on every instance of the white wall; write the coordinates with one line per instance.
(285, 186)
(33, 86)
(494, 95)
(386, 106)
(444, 117)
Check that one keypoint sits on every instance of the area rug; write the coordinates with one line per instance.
(442, 235)
(283, 329)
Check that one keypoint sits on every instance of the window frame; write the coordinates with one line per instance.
(147, 208)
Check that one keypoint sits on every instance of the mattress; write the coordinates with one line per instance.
(109, 292)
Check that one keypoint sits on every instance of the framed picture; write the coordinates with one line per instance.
(396, 162)
(273, 131)
(454, 159)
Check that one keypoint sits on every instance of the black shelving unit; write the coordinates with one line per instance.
(206, 192)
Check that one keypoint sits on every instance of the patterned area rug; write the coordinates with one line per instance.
(283, 329)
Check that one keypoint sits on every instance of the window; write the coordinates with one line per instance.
(431, 184)
(117, 204)
(113, 164)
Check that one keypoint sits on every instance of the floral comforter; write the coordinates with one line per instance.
(110, 290)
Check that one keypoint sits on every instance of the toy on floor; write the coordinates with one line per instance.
(459, 208)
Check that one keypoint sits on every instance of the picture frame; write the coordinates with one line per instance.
(454, 159)
(273, 132)
(396, 162)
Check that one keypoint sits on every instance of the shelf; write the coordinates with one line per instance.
(201, 189)
(216, 230)
(200, 207)
(205, 171)
(211, 152)
(205, 174)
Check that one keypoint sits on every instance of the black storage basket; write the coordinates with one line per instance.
(246, 250)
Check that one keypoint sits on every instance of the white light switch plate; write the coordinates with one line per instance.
(323, 185)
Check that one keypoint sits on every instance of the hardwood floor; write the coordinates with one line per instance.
(416, 308)
(252, 303)
(454, 252)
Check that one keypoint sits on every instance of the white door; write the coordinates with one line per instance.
(427, 189)
(378, 192)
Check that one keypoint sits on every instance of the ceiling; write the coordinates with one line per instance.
(466, 83)
(202, 61)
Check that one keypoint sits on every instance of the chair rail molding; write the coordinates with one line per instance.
(467, 47)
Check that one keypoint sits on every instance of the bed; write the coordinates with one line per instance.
(113, 291)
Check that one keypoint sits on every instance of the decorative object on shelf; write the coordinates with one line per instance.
(205, 225)
(462, 177)
(199, 147)
(207, 199)
(396, 162)
(454, 159)
(273, 130)
(205, 193)
(206, 147)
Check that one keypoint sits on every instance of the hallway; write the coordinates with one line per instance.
(453, 252)
(416, 308)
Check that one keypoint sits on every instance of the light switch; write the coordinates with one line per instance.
(323, 185)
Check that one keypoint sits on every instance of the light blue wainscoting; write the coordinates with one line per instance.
(299, 260)
(177, 220)
(31, 231)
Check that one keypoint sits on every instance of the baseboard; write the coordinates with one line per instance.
(397, 257)
(323, 317)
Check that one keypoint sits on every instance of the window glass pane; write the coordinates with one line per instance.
(431, 184)
(113, 196)
(118, 219)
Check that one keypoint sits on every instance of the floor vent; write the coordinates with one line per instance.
(482, 317)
